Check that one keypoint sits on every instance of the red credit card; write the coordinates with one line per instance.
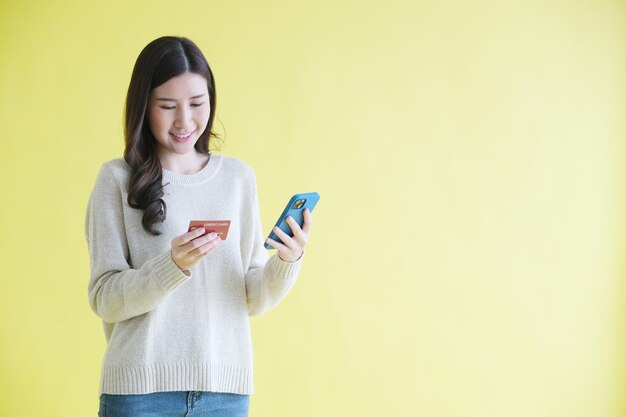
(211, 226)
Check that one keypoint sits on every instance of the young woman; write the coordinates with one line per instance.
(175, 305)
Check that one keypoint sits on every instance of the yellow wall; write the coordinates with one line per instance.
(467, 257)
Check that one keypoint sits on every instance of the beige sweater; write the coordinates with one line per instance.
(167, 331)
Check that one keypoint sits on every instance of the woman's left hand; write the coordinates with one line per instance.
(292, 248)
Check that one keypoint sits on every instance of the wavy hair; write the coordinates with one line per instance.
(160, 60)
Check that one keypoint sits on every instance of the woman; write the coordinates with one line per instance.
(175, 305)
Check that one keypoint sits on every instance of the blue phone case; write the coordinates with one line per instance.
(295, 209)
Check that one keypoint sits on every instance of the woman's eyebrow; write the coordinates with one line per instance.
(173, 99)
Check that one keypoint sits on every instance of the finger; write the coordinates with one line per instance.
(293, 224)
(199, 242)
(287, 240)
(189, 236)
(308, 221)
(205, 249)
(298, 234)
(291, 245)
(278, 246)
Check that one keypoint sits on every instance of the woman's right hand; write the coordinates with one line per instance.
(189, 248)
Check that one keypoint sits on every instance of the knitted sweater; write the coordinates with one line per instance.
(167, 331)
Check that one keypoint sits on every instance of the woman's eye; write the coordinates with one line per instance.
(172, 107)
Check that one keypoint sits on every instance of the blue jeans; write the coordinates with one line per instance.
(175, 404)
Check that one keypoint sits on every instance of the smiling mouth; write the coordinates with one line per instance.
(182, 138)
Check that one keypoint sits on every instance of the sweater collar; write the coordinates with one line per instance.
(196, 178)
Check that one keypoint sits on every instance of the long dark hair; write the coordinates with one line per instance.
(160, 60)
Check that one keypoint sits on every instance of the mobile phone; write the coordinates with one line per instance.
(294, 208)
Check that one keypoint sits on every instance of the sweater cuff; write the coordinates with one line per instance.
(286, 269)
(167, 272)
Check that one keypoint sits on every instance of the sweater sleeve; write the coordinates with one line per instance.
(116, 291)
(268, 279)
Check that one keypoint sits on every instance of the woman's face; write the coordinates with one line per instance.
(178, 113)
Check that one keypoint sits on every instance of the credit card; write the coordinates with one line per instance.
(211, 226)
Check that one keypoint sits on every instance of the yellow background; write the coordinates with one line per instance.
(467, 256)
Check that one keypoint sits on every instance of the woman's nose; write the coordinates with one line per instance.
(183, 118)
